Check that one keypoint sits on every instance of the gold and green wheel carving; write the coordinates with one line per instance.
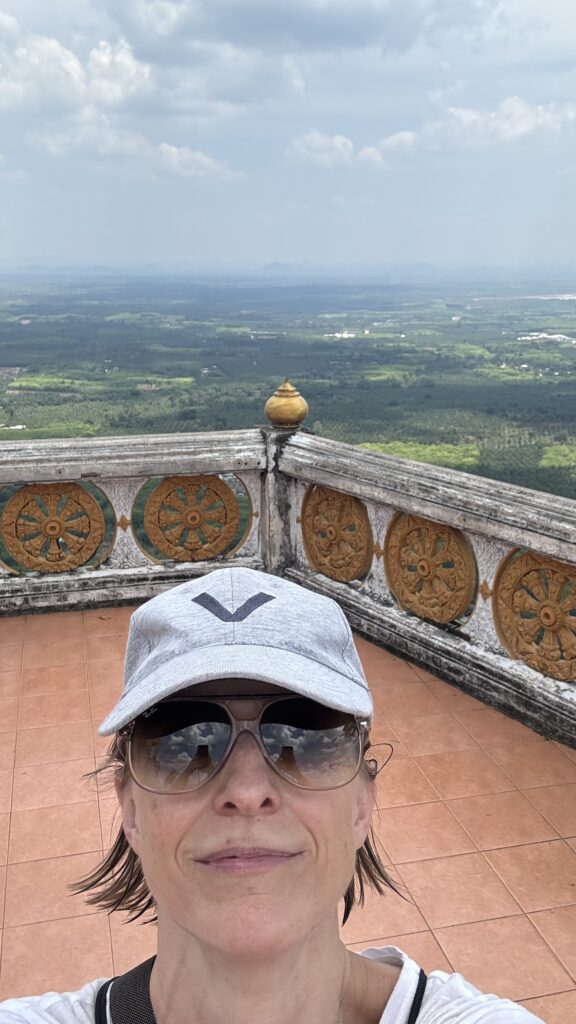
(191, 518)
(430, 568)
(52, 527)
(534, 607)
(336, 534)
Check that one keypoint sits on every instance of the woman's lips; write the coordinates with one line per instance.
(241, 860)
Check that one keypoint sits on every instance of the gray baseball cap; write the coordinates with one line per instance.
(240, 623)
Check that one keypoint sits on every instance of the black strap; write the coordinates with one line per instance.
(419, 996)
(100, 1014)
(129, 997)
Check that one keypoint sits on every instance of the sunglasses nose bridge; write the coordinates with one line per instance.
(244, 710)
(241, 727)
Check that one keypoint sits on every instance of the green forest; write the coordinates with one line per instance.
(480, 378)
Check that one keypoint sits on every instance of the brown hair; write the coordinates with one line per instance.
(118, 882)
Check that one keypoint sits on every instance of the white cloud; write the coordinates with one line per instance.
(8, 25)
(460, 128)
(78, 100)
(513, 119)
(92, 133)
(395, 144)
(115, 74)
(161, 17)
(40, 71)
(188, 163)
(327, 150)
(469, 128)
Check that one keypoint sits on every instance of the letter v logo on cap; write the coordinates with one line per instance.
(210, 604)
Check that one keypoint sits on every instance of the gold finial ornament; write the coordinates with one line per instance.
(286, 407)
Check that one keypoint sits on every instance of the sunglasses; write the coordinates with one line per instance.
(180, 744)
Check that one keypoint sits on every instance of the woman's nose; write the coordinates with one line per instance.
(246, 784)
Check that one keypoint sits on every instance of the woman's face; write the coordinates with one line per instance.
(248, 862)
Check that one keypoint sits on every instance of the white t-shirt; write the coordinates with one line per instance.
(448, 999)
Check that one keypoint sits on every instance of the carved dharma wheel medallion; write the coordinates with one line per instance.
(430, 568)
(534, 604)
(52, 527)
(336, 533)
(192, 518)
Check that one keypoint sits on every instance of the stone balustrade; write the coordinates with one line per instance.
(117, 519)
(470, 578)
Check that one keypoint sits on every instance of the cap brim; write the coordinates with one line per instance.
(266, 664)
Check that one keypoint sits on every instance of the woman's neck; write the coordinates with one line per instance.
(193, 983)
(317, 981)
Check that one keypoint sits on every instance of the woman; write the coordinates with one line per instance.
(240, 767)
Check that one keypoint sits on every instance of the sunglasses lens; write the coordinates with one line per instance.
(178, 745)
(313, 746)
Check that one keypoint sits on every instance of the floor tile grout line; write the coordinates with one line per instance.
(419, 909)
(506, 774)
(478, 849)
(570, 971)
(455, 712)
(480, 743)
(525, 916)
(52, 920)
(423, 803)
(458, 691)
(468, 796)
(524, 843)
(490, 866)
(489, 707)
(58, 856)
(493, 849)
(543, 812)
(10, 819)
(401, 935)
(463, 924)
(562, 748)
(418, 757)
(92, 737)
(545, 995)
(559, 992)
(503, 880)
(112, 954)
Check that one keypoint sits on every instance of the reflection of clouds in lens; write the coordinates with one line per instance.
(314, 751)
(185, 751)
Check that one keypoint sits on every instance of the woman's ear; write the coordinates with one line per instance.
(364, 809)
(128, 809)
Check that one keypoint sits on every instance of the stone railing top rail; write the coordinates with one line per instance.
(157, 454)
(542, 522)
(517, 515)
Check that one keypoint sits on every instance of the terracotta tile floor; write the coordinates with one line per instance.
(477, 818)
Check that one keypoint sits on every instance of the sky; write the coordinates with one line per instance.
(234, 133)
